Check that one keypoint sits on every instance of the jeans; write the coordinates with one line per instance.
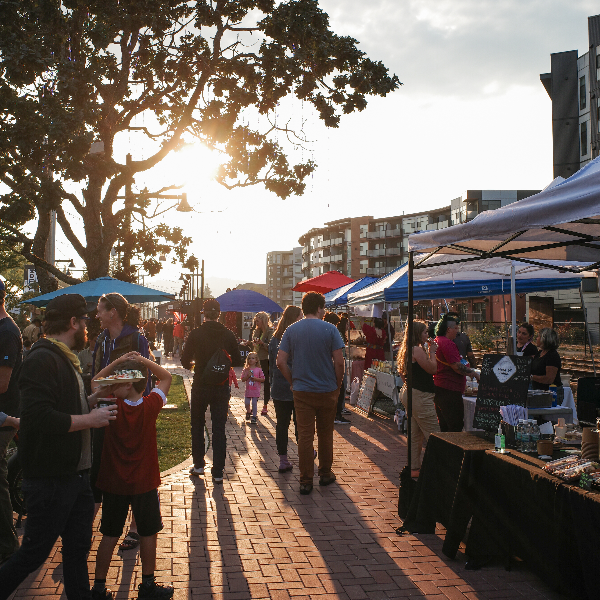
(424, 422)
(8, 536)
(217, 397)
(450, 409)
(56, 507)
(341, 399)
(284, 411)
(311, 407)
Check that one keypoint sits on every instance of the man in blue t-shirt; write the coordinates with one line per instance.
(315, 349)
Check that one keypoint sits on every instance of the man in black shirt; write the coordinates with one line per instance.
(201, 344)
(11, 356)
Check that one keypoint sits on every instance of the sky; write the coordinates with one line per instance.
(471, 114)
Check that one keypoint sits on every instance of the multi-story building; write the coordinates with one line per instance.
(284, 271)
(360, 246)
(573, 85)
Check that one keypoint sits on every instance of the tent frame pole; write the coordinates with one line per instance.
(513, 307)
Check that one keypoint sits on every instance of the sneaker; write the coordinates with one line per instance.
(264, 411)
(248, 415)
(218, 479)
(345, 411)
(105, 594)
(341, 421)
(155, 590)
(196, 471)
(253, 421)
(327, 479)
(285, 467)
(306, 488)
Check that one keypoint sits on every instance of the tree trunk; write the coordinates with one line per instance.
(46, 282)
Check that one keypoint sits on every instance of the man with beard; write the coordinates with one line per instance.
(55, 450)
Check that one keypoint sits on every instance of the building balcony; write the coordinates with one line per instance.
(377, 271)
(304, 265)
(393, 232)
(393, 251)
(325, 260)
(337, 258)
(325, 243)
(377, 252)
(337, 242)
(376, 235)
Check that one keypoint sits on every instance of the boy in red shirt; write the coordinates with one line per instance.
(129, 472)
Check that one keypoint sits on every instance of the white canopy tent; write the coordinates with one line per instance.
(561, 223)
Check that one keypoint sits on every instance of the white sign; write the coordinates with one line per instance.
(504, 369)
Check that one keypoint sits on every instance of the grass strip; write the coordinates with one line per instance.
(173, 428)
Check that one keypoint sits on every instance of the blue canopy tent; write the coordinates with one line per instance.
(339, 297)
(94, 288)
(247, 301)
(485, 278)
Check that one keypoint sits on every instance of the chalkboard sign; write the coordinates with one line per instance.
(368, 388)
(504, 381)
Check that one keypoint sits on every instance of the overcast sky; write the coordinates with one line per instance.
(472, 114)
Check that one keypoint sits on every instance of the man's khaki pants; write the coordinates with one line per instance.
(314, 407)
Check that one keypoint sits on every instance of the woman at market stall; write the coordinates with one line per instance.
(263, 330)
(525, 343)
(545, 368)
(119, 321)
(424, 366)
(282, 395)
(376, 337)
(450, 377)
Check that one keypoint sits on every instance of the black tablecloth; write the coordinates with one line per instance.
(517, 508)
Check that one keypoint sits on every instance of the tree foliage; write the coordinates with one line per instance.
(76, 72)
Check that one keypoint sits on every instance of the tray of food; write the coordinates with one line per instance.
(572, 468)
(121, 377)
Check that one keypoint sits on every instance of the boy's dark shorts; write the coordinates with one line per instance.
(145, 508)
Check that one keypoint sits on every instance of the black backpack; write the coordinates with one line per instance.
(217, 368)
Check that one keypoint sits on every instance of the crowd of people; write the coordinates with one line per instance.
(442, 362)
(85, 447)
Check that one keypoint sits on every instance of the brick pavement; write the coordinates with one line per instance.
(255, 537)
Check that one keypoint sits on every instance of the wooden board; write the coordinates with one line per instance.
(366, 395)
(504, 381)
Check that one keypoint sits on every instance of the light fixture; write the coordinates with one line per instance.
(162, 258)
(183, 204)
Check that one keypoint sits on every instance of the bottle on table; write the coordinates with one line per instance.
(554, 391)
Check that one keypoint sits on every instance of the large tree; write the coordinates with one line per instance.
(78, 74)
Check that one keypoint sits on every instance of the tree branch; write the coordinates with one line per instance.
(69, 234)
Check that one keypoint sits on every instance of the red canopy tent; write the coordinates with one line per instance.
(332, 280)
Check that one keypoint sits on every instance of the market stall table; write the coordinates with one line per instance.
(517, 509)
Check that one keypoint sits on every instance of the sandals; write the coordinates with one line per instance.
(131, 541)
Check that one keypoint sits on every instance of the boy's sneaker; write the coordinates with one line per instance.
(155, 590)
(218, 479)
(196, 471)
(264, 411)
(341, 421)
(345, 411)
(105, 594)
(253, 420)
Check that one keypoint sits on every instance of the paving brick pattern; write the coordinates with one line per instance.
(255, 537)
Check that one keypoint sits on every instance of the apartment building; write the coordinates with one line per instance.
(284, 271)
(574, 89)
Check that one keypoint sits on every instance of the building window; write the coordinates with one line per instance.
(364, 247)
(582, 94)
(583, 138)
(363, 230)
(490, 204)
(364, 265)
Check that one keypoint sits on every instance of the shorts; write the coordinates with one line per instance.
(145, 508)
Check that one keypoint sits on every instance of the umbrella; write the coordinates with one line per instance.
(93, 289)
(332, 280)
(247, 301)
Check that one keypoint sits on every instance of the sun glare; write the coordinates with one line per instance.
(193, 165)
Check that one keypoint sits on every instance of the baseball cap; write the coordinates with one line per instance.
(67, 306)
(211, 304)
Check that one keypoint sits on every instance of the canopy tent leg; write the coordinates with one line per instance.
(513, 307)
(589, 336)
(409, 352)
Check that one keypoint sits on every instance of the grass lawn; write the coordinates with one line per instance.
(173, 428)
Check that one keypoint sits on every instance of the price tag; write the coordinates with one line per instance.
(585, 483)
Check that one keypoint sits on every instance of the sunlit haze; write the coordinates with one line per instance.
(472, 114)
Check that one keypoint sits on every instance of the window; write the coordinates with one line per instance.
(583, 138)
(363, 230)
(364, 246)
(364, 265)
(582, 94)
(490, 204)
